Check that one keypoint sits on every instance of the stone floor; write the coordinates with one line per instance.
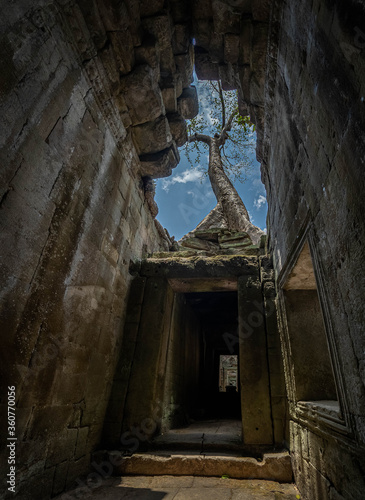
(224, 434)
(185, 488)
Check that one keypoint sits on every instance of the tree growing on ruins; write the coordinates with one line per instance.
(229, 138)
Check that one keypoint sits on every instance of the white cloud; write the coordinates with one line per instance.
(257, 184)
(261, 200)
(199, 192)
(190, 175)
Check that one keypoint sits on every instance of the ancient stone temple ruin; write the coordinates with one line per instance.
(115, 337)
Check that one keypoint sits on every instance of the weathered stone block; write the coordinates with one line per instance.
(203, 35)
(112, 70)
(33, 456)
(180, 11)
(181, 39)
(203, 267)
(228, 77)
(49, 421)
(199, 244)
(202, 9)
(225, 19)
(161, 28)
(71, 389)
(208, 234)
(142, 95)
(169, 99)
(188, 105)
(59, 480)
(231, 48)
(115, 15)
(232, 238)
(81, 445)
(148, 365)
(243, 250)
(205, 69)
(37, 486)
(261, 10)
(122, 44)
(159, 164)
(77, 470)
(256, 407)
(94, 22)
(123, 110)
(185, 66)
(216, 48)
(62, 447)
(150, 7)
(169, 94)
(274, 466)
(152, 137)
(147, 53)
(178, 128)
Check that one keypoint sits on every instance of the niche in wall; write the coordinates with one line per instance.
(312, 376)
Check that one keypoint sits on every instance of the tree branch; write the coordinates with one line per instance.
(223, 104)
(199, 137)
(227, 127)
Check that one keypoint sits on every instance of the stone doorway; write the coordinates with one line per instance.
(183, 315)
(218, 315)
(210, 419)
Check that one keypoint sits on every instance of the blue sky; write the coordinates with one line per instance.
(186, 197)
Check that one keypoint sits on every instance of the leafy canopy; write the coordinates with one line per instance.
(216, 107)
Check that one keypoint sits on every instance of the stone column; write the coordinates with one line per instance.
(254, 375)
(142, 412)
(275, 358)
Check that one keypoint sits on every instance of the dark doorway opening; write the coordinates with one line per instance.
(210, 419)
(218, 316)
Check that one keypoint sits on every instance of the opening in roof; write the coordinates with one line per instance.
(195, 189)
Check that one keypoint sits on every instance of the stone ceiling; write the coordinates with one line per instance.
(139, 57)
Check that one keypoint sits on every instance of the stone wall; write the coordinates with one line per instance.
(73, 215)
(93, 97)
(314, 179)
(156, 381)
(182, 366)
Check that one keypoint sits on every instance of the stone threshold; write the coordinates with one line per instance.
(273, 466)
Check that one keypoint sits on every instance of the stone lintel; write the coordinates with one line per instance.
(198, 267)
(189, 285)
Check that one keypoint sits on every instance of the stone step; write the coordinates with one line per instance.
(273, 466)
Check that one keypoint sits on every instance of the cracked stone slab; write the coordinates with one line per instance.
(273, 466)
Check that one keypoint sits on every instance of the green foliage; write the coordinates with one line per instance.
(216, 106)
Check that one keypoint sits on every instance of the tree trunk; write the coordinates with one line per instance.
(234, 209)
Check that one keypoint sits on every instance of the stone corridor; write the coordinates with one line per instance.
(112, 332)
